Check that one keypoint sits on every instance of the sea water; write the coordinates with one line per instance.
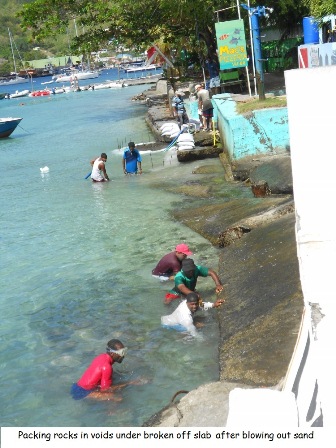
(76, 261)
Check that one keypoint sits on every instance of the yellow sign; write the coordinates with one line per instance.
(231, 44)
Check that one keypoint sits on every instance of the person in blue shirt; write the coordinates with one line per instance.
(131, 160)
(179, 109)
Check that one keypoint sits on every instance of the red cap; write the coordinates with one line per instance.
(183, 248)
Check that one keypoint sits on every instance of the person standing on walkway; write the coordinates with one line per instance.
(171, 263)
(98, 173)
(207, 113)
(132, 160)
(214, 83)
(179, 109)
(202, 96)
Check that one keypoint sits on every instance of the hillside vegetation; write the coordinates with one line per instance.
(24, 42)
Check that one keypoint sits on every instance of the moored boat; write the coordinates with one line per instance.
(63, 89)
(109, 85)
(19, 94)
(105, 85)
(8, 125)
(76, 75)
(40, 93)
(116, 84)
(13, 81)
(141, 68)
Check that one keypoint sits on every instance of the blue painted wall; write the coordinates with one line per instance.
(258, 132)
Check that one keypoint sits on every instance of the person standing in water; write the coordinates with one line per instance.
(131, 161)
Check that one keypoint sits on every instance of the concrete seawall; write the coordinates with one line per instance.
(263, 299)
(257, 132)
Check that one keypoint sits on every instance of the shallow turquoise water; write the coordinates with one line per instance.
(76, 264)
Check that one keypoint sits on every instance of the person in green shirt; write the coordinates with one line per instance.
(186, 280)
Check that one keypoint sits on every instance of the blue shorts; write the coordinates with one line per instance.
(176, 327)
(78, 392)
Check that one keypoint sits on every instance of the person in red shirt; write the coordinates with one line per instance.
(96, 381)
(170, 264)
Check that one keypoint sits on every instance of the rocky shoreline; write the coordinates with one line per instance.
(258, 264)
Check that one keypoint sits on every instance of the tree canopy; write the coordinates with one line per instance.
(174, 24)
(177, 26)
(321, 8)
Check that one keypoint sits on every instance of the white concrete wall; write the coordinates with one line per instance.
(311, 100)
(308, 396)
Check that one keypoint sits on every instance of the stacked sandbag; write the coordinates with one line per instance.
(185, 142)
(169, 129)
(195, 123)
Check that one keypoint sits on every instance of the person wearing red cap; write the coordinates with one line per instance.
(171, 264)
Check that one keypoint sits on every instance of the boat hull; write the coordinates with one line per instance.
(40, 93)
(19, 94)
(141, 68)
(80, 76)
(8, 125)
(14, 81)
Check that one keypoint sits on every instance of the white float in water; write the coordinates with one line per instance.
(45, 169)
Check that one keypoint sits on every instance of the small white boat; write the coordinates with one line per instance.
(16, 79)
(12, 81)
(76, 74)
(141, 68)
(116, 85)
(58, 90)
(105, 85)
(19, 94)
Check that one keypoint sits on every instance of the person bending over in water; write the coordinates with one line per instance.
(182, 319)
(99, 173)
(171, 263)
(97, 381)
(186, 280)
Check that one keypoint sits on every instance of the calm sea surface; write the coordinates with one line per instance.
(76, 260)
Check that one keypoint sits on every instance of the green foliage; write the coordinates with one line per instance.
(5, 68)
(286, 15)
(23, 39)
(321, 8)
(175, 25)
